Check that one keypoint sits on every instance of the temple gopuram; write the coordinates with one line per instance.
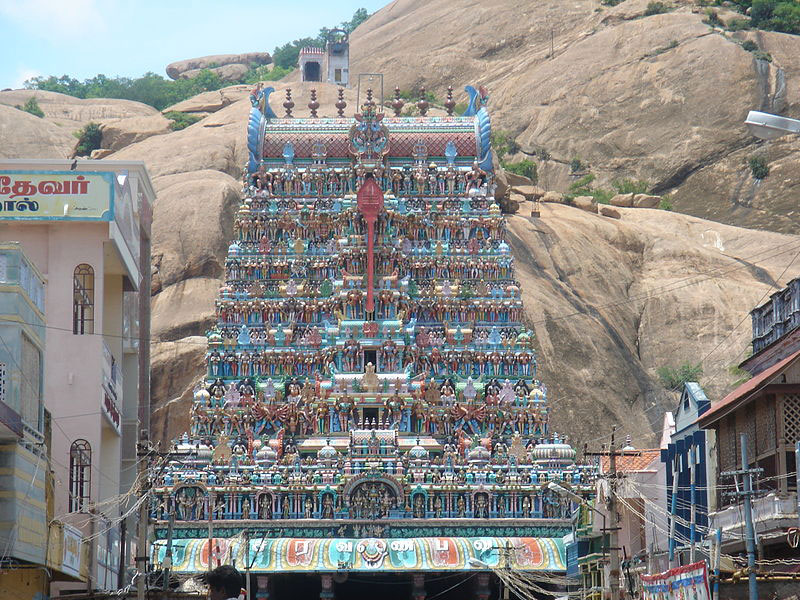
(371, 413)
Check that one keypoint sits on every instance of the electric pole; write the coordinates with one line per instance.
(613, 545)
(612, 508)
(143, 455)
(747, 498)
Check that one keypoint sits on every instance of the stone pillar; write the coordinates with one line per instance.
(326, 592)
(482, 591)
(263, 587)
(418, 591)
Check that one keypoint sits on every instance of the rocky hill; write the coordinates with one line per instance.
(659, 97)
(611, 300)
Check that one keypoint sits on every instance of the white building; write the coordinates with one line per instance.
(331, 64)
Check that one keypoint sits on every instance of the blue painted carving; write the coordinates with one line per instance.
(484, 126)
(477, 99)
(450, 152)
(288, 153)
(259, 114)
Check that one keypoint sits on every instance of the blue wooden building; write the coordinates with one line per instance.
(688, 444)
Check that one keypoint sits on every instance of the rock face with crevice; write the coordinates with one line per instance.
(660, 97)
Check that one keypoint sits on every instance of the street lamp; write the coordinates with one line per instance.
(769, 127)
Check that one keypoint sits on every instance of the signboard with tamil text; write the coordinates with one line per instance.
(56, 195)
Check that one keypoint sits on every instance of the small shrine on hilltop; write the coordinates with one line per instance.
(372, 405)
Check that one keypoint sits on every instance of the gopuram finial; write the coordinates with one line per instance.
(397, 105)
(450, 104)
(369, 102)
(289, 104)
(340, 103)
(313, 105)
(422, 103)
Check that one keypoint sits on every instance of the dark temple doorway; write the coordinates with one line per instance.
(371, 356)
(312, 71)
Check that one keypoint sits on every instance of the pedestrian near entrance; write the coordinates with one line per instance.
(224, 583)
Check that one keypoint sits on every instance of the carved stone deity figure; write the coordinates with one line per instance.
(419, 506)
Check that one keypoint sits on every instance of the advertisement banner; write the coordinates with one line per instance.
(56, 195)
(682, 583)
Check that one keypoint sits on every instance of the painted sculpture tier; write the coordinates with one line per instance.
(370, 377)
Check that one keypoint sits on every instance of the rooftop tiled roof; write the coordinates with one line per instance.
(632, 460)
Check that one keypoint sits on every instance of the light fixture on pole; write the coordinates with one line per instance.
(769, 127)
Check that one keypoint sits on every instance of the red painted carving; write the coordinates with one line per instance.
(370, 203)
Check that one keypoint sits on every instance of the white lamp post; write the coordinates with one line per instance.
(769, 127)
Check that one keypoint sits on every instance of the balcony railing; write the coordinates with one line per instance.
(112, 374)
(772, 511)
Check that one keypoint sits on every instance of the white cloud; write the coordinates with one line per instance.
(54, 19)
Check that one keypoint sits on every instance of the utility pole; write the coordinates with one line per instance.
(692, 526)
(612, 508)
(797, 475)
(717, 561)
(143, 455)
(614, 548)
(166, 565)
(247, 562)
(747, 500)
(507, 552)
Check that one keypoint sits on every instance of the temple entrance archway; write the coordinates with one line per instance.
(312, 71)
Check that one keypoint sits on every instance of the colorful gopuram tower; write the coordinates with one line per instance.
(371, 406)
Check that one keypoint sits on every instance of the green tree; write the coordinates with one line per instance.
(32, 106)
(359, 17)
(503, 143)
(655, 8)
(89, 138)
(180, 120)
(286, 56)
(631, 186)
(673, 378)
(759, 166)
(526, 168)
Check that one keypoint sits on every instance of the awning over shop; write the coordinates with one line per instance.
(282, 555)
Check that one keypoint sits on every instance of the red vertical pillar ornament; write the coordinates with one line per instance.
(370, 203)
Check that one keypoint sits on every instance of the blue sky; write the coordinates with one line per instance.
(82, 38)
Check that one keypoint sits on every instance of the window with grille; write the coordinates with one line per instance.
(80, 475)
(791, 418)
(83, 300)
